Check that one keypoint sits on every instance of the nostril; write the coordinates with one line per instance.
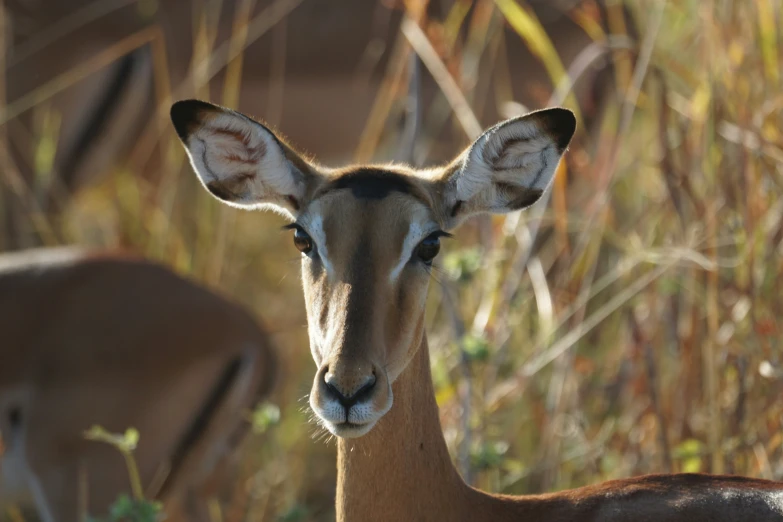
(370, 382)
(331, 384)
(335, 392)
(347, 400)
(365, 390)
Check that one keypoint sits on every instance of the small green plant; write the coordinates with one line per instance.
(296, 514)
(126, 508)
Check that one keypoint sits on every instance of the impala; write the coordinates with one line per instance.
(108, 340)
(368, 236)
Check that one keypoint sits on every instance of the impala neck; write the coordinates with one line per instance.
(401, 469)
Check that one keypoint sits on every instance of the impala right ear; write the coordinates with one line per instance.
(240, 161)
(508, 167)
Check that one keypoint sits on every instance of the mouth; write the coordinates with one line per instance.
(349, 430)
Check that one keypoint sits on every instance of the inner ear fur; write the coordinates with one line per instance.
(240, 161)
(508, 167)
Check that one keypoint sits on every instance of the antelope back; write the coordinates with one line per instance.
(94, 339)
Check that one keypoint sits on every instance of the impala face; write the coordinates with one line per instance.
(368, 235)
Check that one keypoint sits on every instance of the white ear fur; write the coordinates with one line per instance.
(238, 160)
(509, 166)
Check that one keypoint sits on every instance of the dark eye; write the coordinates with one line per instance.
(302, 241)
(429, 248)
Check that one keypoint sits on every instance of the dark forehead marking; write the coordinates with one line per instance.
(373, 183)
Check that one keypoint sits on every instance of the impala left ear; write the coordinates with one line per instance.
(508, 167)
(240, 161)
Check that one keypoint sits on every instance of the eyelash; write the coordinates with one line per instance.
(299, 230)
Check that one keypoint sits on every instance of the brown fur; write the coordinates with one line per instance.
(108, 340)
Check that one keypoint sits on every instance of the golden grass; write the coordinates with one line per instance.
(643, 336)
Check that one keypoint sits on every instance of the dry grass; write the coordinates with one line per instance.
(631, 326)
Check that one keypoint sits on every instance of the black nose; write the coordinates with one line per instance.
(349, 399)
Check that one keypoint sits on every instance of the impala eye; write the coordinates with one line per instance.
(302, 241)
(429, 248)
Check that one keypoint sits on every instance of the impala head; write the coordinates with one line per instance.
(368, 235)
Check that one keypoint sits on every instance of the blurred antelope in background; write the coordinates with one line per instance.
(99, 339)
(368, 235)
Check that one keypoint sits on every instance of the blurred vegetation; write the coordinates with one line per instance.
(631, 325)
(126, 509)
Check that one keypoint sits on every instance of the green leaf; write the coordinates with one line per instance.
(125, 442)
(691, 465)
(131, 439)
(463, 264)
(689, 448)
(489, 455)
(126, 509)
(475, 348)
(295, 514)
(689, 452)
(265, 416)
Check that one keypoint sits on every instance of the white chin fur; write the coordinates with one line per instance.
(351, 431)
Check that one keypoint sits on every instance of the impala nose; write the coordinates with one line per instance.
(349, 396)
(356, 390)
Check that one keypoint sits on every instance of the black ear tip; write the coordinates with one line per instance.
(561, 124)
(187, 115)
